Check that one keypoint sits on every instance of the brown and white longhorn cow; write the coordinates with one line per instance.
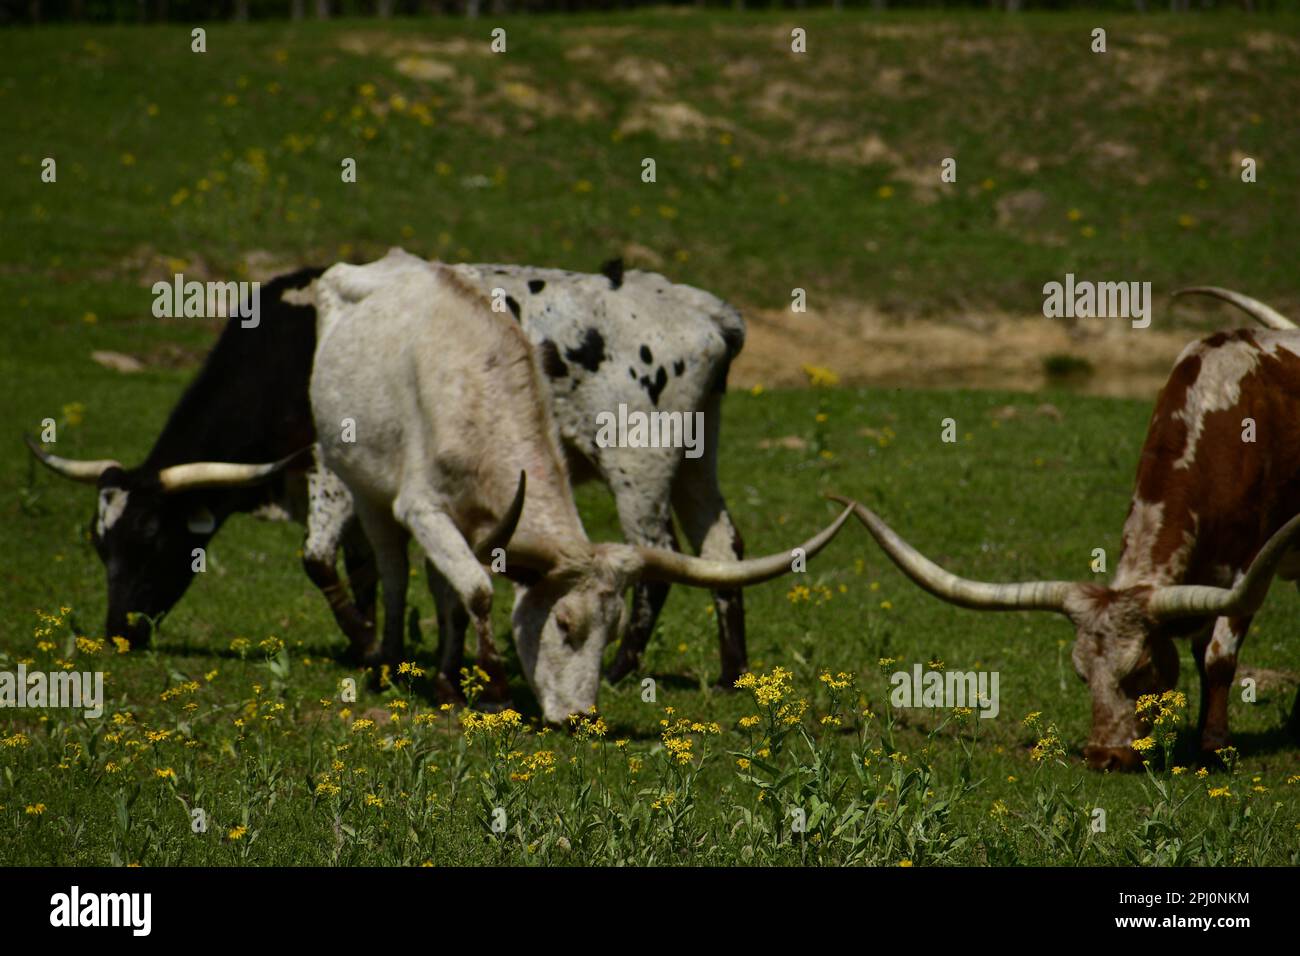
(1213, 518)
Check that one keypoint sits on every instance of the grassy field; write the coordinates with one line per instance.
(228, 163)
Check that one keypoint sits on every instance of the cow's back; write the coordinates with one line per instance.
(1220, 467)
(434, 382)
(601, 341)
(249, 400)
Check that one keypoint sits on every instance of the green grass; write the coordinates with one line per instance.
(778, 189)
(1025, 497)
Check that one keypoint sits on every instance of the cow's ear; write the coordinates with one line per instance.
(525, 576)
(200, 520)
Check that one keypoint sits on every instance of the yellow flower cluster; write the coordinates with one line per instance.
(816, 594)
(1163, 710)
(171, 693)
(841, 681)
(49, 623)
(472, 682)
(677, 739)
(330, 782)
(792, 712)
(538, 763)
(493, 726)
(587, 726)
(820, 377)
(679, 748)
(665, 801)
(768, 689)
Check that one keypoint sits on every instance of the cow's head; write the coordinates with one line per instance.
(1121, 651)
(1122, 646)
(146, 526)
(565, 617)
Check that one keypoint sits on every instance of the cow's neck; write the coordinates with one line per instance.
(550, 519)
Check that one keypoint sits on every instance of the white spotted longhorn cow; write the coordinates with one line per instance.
(454, 443)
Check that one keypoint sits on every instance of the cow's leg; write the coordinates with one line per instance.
(452, 557)
(389, 539)
(641, 480)
(702, 512)
(363, 577)
(1216, 659)
(329, 515)
(452, 622)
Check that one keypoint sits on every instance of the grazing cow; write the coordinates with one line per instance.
(637, 340)
(589, 330)
(632, 340)
(247, 404)
(1212, 519)
(430, 406)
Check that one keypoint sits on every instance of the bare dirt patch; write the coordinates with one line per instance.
(651, 77)
(988, 350)
(424, 68)
(379, 43)
(670, 121)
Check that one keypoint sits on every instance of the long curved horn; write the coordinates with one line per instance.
(1262, 313)
(500, 536)
(220, 474)
(1244, 597)
(87, 471)
(659, 564)
(1024, 596)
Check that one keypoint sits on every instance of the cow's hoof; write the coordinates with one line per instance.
(620, 668)
(497, 688)
(1210, 758)
(355, 655)
(1112, 758)
(446, 692)
(383, 671)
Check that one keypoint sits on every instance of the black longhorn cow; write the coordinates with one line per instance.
(247, 404)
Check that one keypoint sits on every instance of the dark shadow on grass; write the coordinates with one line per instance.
(424, 653)
(187, 647)
(1260, 742)
(670, 681)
